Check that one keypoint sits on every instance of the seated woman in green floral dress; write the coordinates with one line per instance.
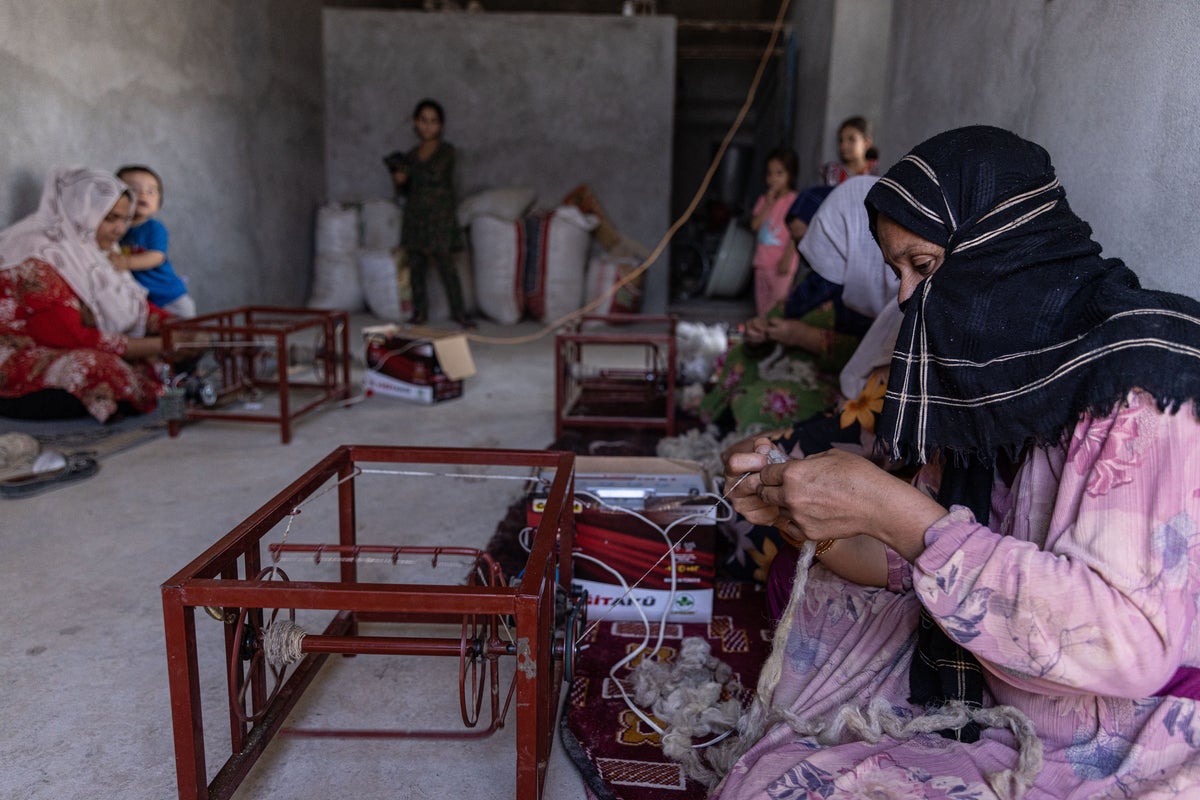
(787, 368)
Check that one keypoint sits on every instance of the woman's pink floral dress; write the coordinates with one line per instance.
(1081, 607)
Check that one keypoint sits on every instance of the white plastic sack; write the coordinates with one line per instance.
(380, 224)
(495, 246)
(337, 228)
(336, 284)
(563, 264)
(377, 270)
(509, 203)
(603, 274)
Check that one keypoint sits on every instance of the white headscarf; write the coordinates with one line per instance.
(839, 246)
(62, 232)
(874, 351)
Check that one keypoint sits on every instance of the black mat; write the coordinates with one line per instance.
(87, 436)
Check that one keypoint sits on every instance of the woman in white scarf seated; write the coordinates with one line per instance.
(787, 368)
(76, 335)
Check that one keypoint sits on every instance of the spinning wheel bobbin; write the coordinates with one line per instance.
(248, 632)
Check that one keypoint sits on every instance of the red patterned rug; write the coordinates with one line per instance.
(619, 756)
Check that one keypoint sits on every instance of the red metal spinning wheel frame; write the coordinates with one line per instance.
(258, 710)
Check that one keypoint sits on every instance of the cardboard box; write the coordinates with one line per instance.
(660, 492)
(414, 363)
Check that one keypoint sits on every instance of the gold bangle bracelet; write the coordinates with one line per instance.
(823, 547)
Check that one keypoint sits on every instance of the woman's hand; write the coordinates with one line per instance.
(187, 345)
(193, 339)
(748, 444)
(756, 330)
(138, 348)
(860, 558)
(399, 177)
(742, 467)
(794, 333)
(836, 495)
(788, 332)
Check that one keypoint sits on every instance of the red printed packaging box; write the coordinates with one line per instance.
(413, 363)
(626, 509)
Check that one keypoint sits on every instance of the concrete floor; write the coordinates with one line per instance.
(83, 676)
(83, 670)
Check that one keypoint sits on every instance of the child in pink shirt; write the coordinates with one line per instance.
(774, 253)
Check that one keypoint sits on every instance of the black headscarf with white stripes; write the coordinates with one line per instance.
(1020, 331)
(1024, 327)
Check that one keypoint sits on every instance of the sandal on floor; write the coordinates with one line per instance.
(78, 466)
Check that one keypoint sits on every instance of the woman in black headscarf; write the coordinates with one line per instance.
(1024, 619)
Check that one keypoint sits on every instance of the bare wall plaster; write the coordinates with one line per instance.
(223, 98)
(858, 67)
(541, 100)
(813, 21)
(1106, 86)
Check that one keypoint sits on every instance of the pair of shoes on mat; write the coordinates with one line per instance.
(466, 323)
(49, 471)
(417, 319)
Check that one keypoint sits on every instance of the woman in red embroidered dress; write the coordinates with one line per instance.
(71, 326)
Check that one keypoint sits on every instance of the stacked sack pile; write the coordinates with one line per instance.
(618, 258)
(359, 262)
(521, 263)
(527, 263)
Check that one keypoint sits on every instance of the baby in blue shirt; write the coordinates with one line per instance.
(144, 246)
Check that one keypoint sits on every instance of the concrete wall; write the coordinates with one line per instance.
(223, 98)
(1106, 86)
(858, 67)
(813, 21)
(542, 100)
(843, 65)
